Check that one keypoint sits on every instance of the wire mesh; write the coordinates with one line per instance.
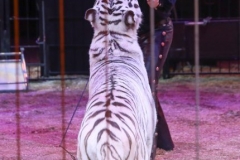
(196, 40)
(64, 129)
(16, 43)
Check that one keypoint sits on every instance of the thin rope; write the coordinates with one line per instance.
(197, 98)
(16, 44)
(62, 70)
(70, 122)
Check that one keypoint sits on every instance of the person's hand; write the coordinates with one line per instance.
(153, 3)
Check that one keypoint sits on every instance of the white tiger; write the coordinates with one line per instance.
(120, 118)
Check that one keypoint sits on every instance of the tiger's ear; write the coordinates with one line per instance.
(129, 19)
(90, 15)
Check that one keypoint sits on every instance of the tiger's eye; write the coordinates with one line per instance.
(136, 6)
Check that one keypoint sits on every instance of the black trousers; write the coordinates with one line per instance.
(162, 42)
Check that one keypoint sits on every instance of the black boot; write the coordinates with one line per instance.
(164, 139)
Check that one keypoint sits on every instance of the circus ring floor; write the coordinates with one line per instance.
(33, 122)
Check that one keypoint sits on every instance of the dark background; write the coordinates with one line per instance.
(39, 21)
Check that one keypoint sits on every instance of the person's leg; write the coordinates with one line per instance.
(164, 139)
(166, 72)
(163, 41)
(162, 44)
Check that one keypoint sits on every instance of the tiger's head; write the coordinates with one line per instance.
(115, 15)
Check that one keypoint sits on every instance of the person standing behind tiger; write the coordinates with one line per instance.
(162, 42)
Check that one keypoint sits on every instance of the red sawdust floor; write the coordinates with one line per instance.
(33, 123)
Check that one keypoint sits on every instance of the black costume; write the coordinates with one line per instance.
(163, 39)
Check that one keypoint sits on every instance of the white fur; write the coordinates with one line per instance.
(109, 72)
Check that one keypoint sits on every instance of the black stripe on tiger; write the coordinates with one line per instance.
(120, 116)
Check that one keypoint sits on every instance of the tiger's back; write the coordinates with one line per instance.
(120, 116)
